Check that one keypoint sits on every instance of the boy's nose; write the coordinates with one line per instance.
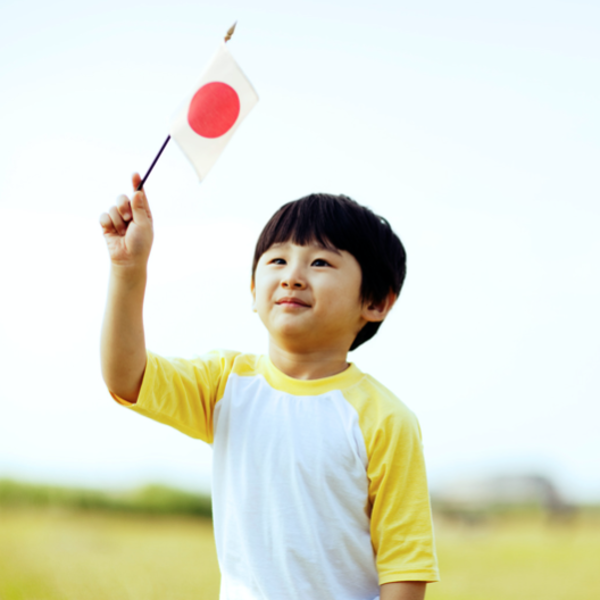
(294, 282)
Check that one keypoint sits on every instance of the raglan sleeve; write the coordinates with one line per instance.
(401, 523)
(183, 393)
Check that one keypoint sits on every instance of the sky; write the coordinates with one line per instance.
(472, 127)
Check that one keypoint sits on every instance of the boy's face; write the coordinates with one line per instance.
(308, 297)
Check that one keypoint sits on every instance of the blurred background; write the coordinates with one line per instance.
(472, 127)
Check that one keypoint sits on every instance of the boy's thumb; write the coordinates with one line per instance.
(139, 207)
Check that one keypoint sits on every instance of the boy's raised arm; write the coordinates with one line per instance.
(403, 590)
(128, 231)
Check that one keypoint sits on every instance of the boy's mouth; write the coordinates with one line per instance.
(292, 301)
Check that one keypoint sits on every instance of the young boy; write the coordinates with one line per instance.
(319, 487)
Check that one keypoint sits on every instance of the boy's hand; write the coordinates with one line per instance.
(128, 229)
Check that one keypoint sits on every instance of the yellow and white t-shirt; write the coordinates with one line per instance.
(319, 487)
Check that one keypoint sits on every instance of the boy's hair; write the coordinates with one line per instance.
(341, 222)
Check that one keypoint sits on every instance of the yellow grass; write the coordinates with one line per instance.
(79, 556)
(525, 558)
(54, 555)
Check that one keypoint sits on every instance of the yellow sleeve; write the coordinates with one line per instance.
(183, 393)
(401, 524)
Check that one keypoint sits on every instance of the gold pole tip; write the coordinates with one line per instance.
(230, 32)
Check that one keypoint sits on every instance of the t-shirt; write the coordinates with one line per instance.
(319, 488)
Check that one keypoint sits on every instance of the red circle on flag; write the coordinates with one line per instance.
(214, 109)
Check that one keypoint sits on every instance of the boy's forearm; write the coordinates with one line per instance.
(403, 590)
(123, 346)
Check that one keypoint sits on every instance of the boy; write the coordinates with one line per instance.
(319, 487)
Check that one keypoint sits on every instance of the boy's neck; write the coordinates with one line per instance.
(308, 365)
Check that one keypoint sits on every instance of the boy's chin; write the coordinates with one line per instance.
(290, 335)
(288, 327)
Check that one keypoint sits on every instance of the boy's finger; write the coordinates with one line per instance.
(136, 180)
(106, 223)
(139, 205)
(124, 207)
(117, 221)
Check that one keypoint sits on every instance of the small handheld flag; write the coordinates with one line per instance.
(208, 118)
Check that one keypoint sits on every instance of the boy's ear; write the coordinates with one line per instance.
(378, 311)
(253, 292)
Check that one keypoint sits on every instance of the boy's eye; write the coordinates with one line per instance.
(320, 262)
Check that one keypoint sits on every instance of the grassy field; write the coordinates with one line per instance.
(57, 555)
(516, 558)
(54, 554)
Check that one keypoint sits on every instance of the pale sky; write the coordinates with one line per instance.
(472, 127)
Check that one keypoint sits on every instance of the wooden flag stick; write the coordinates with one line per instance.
(143, 181)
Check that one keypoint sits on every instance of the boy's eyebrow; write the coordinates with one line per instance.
(315, 243)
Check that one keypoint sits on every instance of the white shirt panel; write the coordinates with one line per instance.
(290, 496)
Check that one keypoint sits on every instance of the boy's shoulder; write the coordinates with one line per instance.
(377, 406)
(379, 410)
(227, 362)
(359, 388)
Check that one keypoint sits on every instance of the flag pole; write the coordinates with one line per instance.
(143, 181)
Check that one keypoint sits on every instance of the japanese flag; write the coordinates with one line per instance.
(208, 119)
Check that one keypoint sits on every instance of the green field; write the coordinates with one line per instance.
(58, 554)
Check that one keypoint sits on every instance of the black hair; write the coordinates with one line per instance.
(341, 222)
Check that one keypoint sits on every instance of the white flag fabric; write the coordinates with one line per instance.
(210, 116)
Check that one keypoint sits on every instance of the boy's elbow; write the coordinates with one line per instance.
(124, 386)
(123, 360)
(120, 393)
